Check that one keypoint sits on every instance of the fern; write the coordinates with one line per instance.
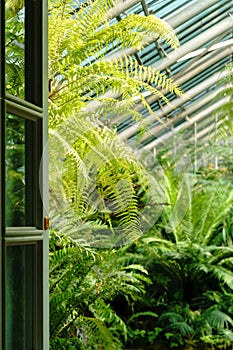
(99, 183)
(109, 317)
(80, 36)
(218, 319)
(79, 70)
(97, 335)
(142, 314)
(83, 282)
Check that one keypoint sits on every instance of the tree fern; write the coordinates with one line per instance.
(94, 177)
(80, 37)
(79, 41)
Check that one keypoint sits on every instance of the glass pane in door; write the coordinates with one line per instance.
(20, 297)
(15, 171)
(20, 171)
(15, 47)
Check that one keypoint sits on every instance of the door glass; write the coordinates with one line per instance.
(15, 171)
(20, 171)
(20, 300)
(15, 51)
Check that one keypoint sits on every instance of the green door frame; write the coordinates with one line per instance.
(34, 108)
(2, 153)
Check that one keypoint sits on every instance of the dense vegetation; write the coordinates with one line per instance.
(171, 287)
(141, 249)
(170, 284)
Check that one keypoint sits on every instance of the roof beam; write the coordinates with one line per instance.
(145, 8)
(184, 75)
(189, 94)
(122, 7)
(202, 133)
(191, 134)
(174, 20)
(186, 124)
(190, 109)
(223, 26)
(189, 11)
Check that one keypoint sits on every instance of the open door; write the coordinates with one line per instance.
(24, 229)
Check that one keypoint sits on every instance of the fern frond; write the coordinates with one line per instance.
(97, 182)
(183, 328)
(142, 314)
(134, 30)
(76, 74)
(218, 319)
(97, 334)
(224, 275)
(173, 317)
(108, 316)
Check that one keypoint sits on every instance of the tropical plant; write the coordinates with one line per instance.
(189, 256)
(97, 185)
(80, 35)
(83, 282)
(102, 183)
(183, 326)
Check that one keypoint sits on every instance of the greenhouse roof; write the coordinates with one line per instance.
(205, 31)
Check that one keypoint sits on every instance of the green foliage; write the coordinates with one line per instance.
(15, 171)
(105, 313)
(189, 256)
(83, 282)
(15, 35)
(187, 253)
(79, 39)
(140, 314)
(102, 186)
(102, 183)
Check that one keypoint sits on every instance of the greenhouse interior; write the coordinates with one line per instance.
(116, 174)
(204, 30)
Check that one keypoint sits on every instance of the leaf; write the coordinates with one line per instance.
(142, 314)
(218, 319)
